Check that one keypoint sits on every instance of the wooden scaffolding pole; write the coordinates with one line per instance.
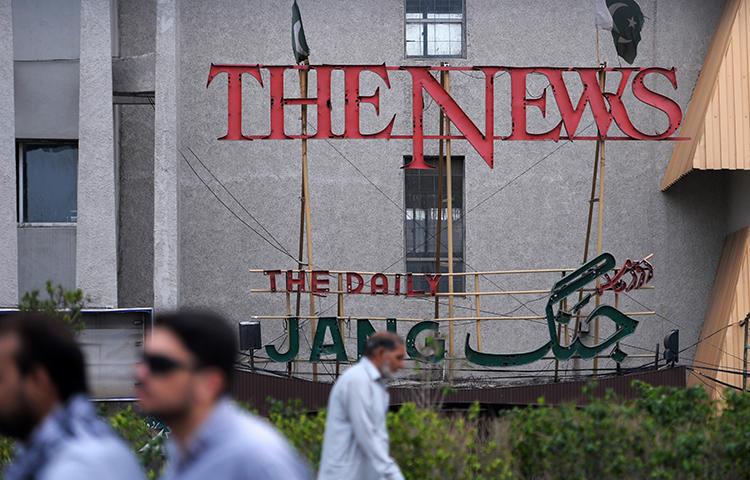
(449, 217)
(441, 173)
(340, 311)
(598, 198)
(600, 214)
(307, 231)
(478, 308)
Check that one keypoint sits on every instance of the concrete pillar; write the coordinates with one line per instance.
(166, 231)
(96, 235)
(8, 226)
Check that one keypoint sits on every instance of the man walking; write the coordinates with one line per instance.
(184, 380)
(43, 405)
(355, 445)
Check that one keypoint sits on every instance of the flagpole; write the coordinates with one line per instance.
(301, 252)
(600, 215)
(306, 220)
(599, 160)
(597, 177)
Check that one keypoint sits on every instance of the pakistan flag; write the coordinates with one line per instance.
(627, 22)
(299, 42)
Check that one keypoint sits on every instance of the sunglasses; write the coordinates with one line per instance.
(160, 365)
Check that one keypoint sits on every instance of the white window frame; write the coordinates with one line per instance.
(423, 21)
(20, 143)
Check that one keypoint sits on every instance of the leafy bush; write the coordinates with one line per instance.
(429, 445)
(663, 434)
(146, 437)
(304, 431)
(60, 303)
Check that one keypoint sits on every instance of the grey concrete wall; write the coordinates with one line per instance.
(133, 71)
(739, 200)
(136, 206)
(8, 236)
(538, 221)
(47, 99)
(96, 254)
(166, 195)
(45, 47)
(46, 29)
(137, 27)
(46, 253)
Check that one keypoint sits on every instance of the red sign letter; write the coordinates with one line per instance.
(319, 285)
(352, 100)
(656, 100)
(422, 79)
(234, 93)
(591, 95)
(350, 277)
(272, 277)
(519, 102)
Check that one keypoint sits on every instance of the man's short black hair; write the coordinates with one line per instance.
(389, 341)
(207, 335)
(48, 343)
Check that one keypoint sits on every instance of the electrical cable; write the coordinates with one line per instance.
(232, 211)
(236, 200)
(524, 172)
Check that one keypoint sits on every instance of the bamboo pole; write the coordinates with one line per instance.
(303, 73)
(290, 365)
(456, 274)
(449, 217)
(617, 345)
(600, 214)
(563, 306)
(441, 172)
(413, 319)
(477, 297)
(448, 294)
(340, 311)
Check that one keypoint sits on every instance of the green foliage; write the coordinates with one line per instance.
(61, 303)
(6, 451)
(663, 434)
(147, 439)
(305, 431)
(430, 445)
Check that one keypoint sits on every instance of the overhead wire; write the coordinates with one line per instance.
(233, 197)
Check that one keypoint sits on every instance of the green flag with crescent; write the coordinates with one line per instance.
(299, 43)
(627, 22)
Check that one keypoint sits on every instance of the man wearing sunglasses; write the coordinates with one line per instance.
(43, 405)
(184, 379)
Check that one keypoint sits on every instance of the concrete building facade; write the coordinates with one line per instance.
(124, 83)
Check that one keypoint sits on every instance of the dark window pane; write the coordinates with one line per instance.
(50, 182)
(420, 219)
(428, 266)
(414, 6)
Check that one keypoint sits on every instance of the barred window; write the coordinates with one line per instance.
(435, 28)
(420, 222)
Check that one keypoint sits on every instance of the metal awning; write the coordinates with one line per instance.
(718, 116)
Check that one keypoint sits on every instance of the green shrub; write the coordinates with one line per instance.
(146, 438)
(63, 304)
(304, 431)
(663, 434)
